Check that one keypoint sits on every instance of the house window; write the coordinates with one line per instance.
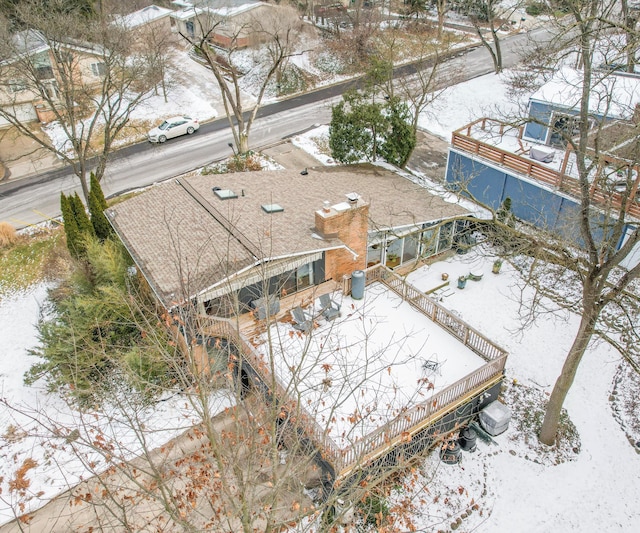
(98, 69)
(410, 248)
(375, 248)
(44, 73)
(304, 276)
(564, 127)
(15, 86)
(394, 253)
(446, 234)
(51, 89)
(374, 254)
(190, 29)
(429, 242)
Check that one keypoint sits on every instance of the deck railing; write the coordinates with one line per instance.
(439, 314)
(410, 421)
(225, 329)
(463, 139)
(420, 416)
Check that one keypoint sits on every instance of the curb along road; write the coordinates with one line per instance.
(470, 61)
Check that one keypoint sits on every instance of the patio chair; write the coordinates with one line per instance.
(329, 308)
(301, 321)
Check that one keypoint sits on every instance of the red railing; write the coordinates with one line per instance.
(463, 140)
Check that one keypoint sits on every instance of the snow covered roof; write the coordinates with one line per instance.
(26, 43)
(143, 16)
(613, 95)
(220, 9)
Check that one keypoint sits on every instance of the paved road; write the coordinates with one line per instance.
(32, 200)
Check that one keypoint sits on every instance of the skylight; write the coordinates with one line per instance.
(224, 194)
(272, 208)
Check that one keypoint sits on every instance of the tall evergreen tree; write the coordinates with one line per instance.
(401, 138)
(71, 229)
(82, 219)
(362, 128)
(97, 206)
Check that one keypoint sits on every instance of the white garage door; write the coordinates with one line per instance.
(23, 112)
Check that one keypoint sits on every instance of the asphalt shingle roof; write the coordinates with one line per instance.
(186, 239)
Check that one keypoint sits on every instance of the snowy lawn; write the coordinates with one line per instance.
(516, 482)
(37, 466)
(484, 96)
(512, 484)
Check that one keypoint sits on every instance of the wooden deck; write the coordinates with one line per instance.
(345, 460)
(605, 197)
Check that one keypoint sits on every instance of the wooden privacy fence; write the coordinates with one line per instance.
(412, 420)
(463, 140)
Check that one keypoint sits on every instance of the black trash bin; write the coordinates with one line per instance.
(467, 440)
(450, 452)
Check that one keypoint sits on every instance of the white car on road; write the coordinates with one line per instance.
(173, 127)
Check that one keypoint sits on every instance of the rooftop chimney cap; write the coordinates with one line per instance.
(326, 206)
(352, 197)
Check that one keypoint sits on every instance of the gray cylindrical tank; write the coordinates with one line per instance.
(357, 284)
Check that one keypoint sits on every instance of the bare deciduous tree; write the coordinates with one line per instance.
(591, 253)
(251, 467)
(488, 17)
(222, 41)
(81, 75)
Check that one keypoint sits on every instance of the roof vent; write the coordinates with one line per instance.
(352, 197)
(272, 208)
(304, 172)
(224, 194)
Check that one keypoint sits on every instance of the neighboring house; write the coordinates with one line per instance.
(151, 20)
(18, 91)
(490, 161)
(554, 106)
(262, 244)
(232, 21)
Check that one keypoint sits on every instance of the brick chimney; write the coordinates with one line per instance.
(349, 222)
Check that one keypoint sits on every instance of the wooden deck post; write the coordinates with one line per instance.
(563, 168)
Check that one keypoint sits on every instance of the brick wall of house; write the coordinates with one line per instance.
(350, 226)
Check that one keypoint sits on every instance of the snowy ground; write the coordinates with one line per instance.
(50, 466)
(508, 485)
(597, 489)
(191, 90)
(516, 482)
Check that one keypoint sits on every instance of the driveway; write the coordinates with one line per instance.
(21, 156)
(429, 157)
